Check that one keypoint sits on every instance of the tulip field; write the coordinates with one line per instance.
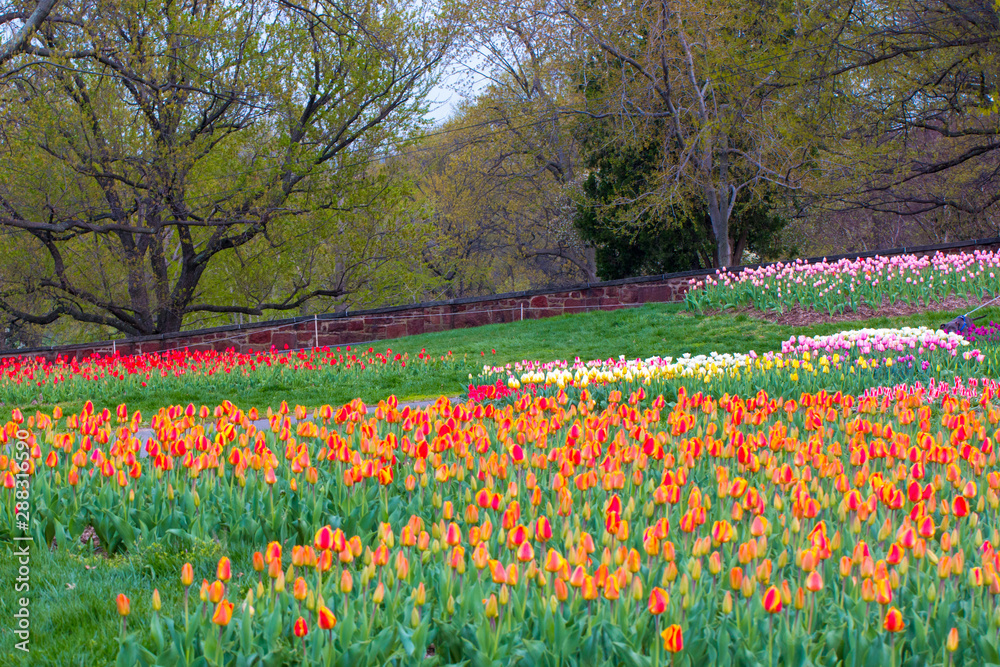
(831, 501)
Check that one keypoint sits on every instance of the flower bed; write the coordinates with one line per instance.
(792, 527)
(850, 361)
(107, 378)
(845, 285)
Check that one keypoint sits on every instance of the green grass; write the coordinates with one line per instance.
(74, 620)
(652, 329)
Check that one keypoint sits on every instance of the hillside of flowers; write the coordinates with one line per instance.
(845, 285)
(831, 502)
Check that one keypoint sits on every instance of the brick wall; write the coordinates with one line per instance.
(386, 323)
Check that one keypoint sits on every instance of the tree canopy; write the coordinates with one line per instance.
(148, 142)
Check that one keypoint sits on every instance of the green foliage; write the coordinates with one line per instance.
(634, 234)
(226, 160)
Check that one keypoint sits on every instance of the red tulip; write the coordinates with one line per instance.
(772, 600)
(324, 538)
(960, 506)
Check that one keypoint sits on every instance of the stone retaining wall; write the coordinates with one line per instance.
(387, 323)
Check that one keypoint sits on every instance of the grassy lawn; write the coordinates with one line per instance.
(652, 329)
(74, 621)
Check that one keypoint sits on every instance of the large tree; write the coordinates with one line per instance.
(699, 77)
(145, 143)
(632, 242)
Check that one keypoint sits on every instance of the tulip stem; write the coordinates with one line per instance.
(656, 643)
(770, 640)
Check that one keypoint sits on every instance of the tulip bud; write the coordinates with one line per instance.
(346, 582)
(952, 642)
(636, 588)
(800, 598)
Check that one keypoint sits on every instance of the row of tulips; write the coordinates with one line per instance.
(850, 361)
(729, 530)
(845, 285)
(25, 379)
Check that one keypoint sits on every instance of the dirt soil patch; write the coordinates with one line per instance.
(799, 316)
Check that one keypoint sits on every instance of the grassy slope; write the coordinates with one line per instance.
(653, 329)
(78, 626)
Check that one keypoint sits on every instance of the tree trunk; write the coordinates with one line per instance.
(718, 212)
(741, 246)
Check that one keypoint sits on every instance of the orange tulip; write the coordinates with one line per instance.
(814, 582)
(673, 638)
(299, 589)
(960, 506)
(611, 588)
(300, 628)
(381, 555)
(223, 613)
(225, 570)
(893, 620)
(553, 561)
(258, 561)
(543, 530)
(658, 600)
(736, 578)
(346, 582)
(124, 604)
(562, 591)
(453, 536)
(187, 574)
(216, 591)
